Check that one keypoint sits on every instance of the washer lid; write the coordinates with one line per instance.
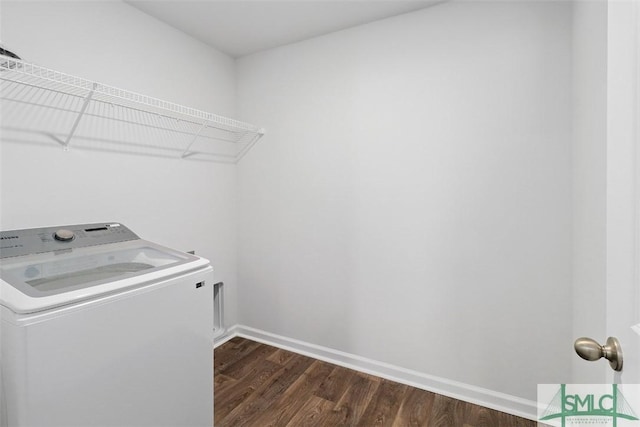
(39, 281)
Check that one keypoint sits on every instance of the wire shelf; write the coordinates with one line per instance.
(43, 105)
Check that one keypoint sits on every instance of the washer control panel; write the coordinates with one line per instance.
(52, 239)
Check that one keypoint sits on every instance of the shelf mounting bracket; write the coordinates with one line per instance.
(85, 104)
(250, 144)
(186, 152)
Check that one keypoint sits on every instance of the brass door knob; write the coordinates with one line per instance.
(589, 349)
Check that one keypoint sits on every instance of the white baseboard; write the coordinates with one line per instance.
(457, 390)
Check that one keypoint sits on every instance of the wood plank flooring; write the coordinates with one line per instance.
(260, 386)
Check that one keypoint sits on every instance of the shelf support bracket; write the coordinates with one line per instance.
(250, 144)
(85, 104)
(186, 152)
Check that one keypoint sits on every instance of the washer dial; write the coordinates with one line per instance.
(64, 235)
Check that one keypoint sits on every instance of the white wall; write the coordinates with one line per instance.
(183, 204)
(411, 202)
(589, 190)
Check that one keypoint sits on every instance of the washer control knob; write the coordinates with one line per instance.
(64, 235)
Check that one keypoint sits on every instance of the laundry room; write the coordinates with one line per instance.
(423, 192)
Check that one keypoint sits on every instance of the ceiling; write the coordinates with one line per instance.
(242, 27)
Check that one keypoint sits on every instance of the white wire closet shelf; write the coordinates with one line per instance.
(44, 106)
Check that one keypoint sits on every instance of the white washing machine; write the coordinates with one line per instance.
(101, 328)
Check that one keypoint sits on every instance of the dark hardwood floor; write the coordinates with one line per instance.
(258, 385)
